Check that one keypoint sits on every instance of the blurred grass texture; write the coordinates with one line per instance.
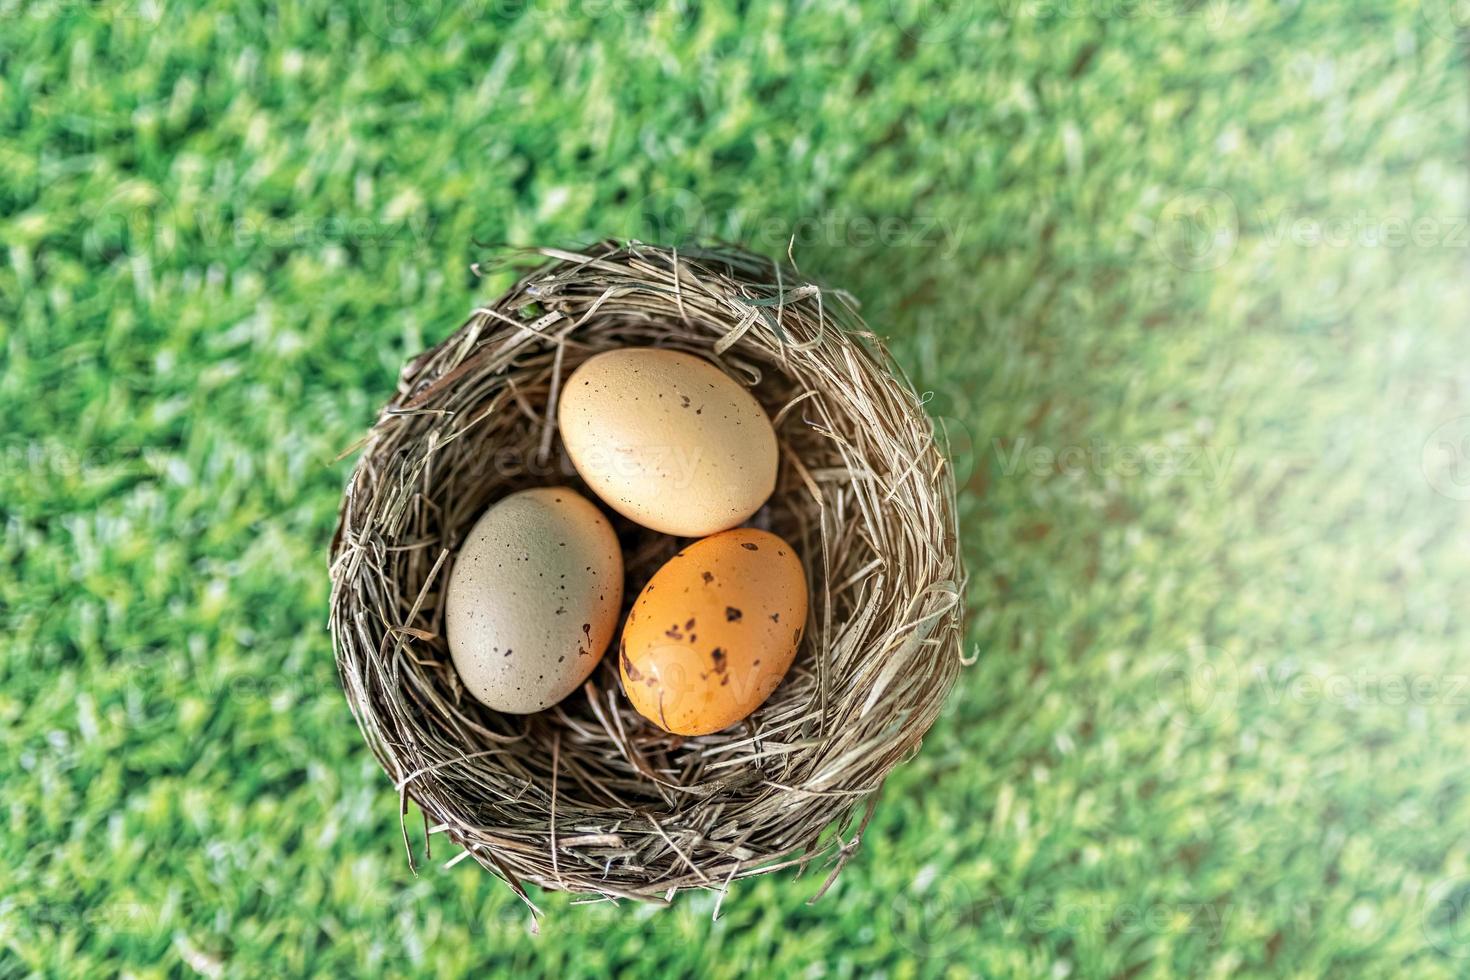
(1185, 282)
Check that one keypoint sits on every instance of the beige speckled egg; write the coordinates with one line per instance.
(533, 599)
(714, 631)
(668, 440)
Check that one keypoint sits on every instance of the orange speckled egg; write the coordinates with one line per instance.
(714, 631)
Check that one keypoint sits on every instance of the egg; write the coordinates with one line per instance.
(714, 631)
(533, 599)
(668, 440)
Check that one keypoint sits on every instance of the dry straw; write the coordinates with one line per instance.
(587, 796)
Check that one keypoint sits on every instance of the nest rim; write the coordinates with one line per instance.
(587, 796)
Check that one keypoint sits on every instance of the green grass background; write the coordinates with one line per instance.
(1187, 283)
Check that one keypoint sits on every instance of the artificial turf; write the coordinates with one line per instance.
(1187, 283)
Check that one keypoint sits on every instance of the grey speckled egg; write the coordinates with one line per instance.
(533, 599)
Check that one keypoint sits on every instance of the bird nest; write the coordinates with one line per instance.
(588, 796)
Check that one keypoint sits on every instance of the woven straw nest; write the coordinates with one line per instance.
(587, 796)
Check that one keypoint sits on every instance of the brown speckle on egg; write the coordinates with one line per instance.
(662, 470)
(693, 690)
(508, 635)
(629, 671)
